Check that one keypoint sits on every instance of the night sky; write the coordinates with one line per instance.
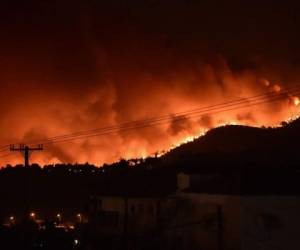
(69, 66)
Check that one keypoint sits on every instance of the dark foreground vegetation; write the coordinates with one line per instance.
(243, 161)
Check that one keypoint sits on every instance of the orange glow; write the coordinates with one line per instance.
(296, 100)
(276, 88)
(96, 64)
(109, 105)
(266, 82)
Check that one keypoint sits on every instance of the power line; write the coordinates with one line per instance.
(6, 155)
(170, 116)
(165, 117)
(4, 148)
(208, 110)
(156, 122)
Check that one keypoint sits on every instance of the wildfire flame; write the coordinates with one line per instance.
(141, 143)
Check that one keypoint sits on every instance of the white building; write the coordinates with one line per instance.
(203, 214)
(232, 221)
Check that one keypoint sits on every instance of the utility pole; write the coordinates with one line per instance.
(26, 152)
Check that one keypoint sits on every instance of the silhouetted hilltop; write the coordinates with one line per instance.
(246, 160)
(227, 139)
(239, 141)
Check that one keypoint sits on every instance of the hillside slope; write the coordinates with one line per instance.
(235, 147)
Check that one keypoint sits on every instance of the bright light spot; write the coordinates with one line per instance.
(184, 141)
(188, 139)
(296, 100)
(292, 118)
(32, 215)
(76, 242)
(11, 218)
(79, 217)
(231, 123)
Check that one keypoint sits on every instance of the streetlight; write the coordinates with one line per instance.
(12, 220)
(58, 216)
(32, 215)
(79, 217)
(76, 242)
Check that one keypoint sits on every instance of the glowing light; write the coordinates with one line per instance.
(266, 82)
(292, 118)
(32, 215)
(79, 217)
(277, 88)
(296, 100)
(184, 140)
(228, 123)
(76, 242)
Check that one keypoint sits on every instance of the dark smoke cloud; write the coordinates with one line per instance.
(180, 124)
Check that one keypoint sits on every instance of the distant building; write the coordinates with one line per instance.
(223, 219)
(130, 220)
(207, 211)
(201, 220)
(138, 214)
